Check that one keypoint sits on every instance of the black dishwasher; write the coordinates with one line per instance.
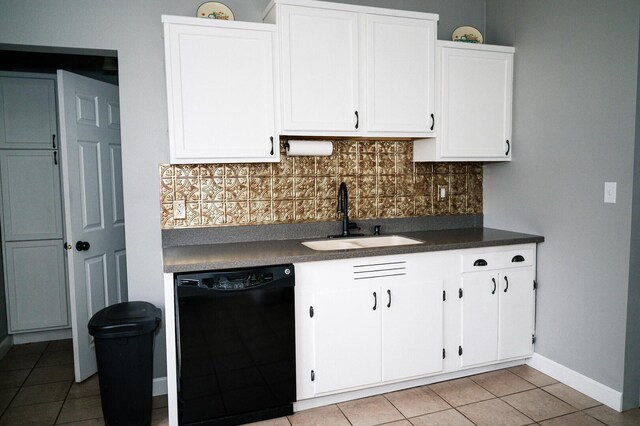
(236, 345)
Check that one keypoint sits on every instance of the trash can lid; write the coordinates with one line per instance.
(124, 320)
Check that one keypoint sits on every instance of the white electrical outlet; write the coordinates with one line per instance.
(179, 210)
(610, 192)
(442, 192)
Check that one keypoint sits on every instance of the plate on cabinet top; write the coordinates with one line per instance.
(467, 34)
(214, 10)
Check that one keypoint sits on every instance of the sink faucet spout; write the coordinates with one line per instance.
(343, 207)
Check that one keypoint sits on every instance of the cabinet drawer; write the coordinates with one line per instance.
(480, 261)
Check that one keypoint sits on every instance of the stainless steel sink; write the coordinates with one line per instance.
(360, 243)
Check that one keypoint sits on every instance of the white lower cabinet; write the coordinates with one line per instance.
(497, 307)
(371, 321)
(367, 321)
(36, 285)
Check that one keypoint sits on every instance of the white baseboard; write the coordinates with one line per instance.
(596, 390)
(5, 345)
(159, 386)
(41, 336)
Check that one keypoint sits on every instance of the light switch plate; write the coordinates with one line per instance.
(610, 192)
(179, 210)
(442, 192)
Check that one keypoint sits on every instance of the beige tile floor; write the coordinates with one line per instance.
(37, 387)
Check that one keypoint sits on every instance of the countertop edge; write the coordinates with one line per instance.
(222, 255)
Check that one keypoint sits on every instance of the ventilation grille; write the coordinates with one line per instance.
(379, 270)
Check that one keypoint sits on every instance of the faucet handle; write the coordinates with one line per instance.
(353, 225)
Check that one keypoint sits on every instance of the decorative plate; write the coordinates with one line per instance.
(467, 34)
(214, 10)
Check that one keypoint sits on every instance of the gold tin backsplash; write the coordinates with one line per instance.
(382, 181)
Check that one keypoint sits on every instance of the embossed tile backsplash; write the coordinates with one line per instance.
(382, 181)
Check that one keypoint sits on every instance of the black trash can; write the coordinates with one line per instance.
(124, 335)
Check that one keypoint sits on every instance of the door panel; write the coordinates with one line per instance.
(400, 82)
(91, 194)
(411, 352)
(28, 113)
(479, 318)
(36, 285)
(347, 338)
(516, 313)
(320, 69)
(95, 271)
(31, 204)
(117, 198)
(92, 188)
(476, 106)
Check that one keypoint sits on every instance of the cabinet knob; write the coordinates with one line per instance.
(517, 258)
(389, 293)
(494, 286)
(508, 148)
(271, 153)
(507, 281)
(357, 119)
(433, 122)
(375, 300)
(480, 262)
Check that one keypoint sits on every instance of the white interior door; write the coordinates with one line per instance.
(94, 212)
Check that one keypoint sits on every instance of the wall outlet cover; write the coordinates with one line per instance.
(610, 192)
(179, 210)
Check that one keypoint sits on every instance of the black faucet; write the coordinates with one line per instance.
(343, 207)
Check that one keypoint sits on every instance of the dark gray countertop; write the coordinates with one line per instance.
(259, 253)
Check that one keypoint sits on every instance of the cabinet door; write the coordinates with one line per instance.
(412, 328)
(36, 286)
(347, 338)
(479, 318)
(320, 67)
(516, 313)
(220, 86)
(27, 113)
(400, 74)
(31, 206)
(476, 103)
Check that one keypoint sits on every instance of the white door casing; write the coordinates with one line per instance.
(93, 202)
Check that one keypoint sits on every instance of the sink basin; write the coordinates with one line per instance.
(360, 243)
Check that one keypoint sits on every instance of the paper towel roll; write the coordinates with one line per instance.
(311, 148)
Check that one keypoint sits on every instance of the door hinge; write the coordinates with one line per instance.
(459, 293)
(535, 285)
(444, 295)
(533, 339)
(460, 350)
(443, 353)
(313, 375)
(311, 311)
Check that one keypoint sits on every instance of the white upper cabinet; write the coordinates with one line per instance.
(355, 71)
(321, 70)
(475, 84)
(400, 81)
(31, 202)
(28, 113)
(221, 90)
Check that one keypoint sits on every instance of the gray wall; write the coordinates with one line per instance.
(632, 353)
(576, 72)
(133, 29)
